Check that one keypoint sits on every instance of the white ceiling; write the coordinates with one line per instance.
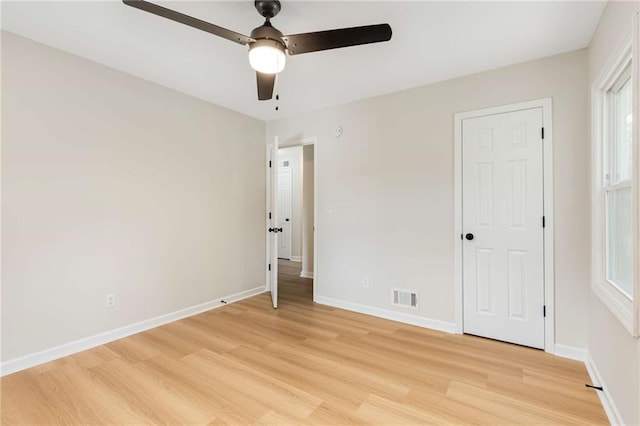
(432, 41)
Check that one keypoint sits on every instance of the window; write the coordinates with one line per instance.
(615, 219)
(618, 139)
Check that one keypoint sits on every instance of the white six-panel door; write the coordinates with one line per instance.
(284, 212)
(502, 211)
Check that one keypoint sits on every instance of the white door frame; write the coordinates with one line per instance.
(267, 221)
(288, 144)
(548, 212)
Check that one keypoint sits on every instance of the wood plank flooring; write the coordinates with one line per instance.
(303, 363)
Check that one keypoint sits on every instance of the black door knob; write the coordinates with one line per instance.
(469, 237)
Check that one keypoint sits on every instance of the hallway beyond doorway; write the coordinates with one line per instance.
(293, 288)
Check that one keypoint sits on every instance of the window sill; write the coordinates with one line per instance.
(619, 305)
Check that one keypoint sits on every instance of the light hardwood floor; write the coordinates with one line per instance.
(305, 364)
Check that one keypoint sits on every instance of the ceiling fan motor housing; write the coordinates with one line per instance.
(268, 8)
(267, 32)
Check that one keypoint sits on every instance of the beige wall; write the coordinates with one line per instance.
(112, 184)
(388, 182)
(615, 353)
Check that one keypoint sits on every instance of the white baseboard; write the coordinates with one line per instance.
(305, 274)
(37, 358)
(605, 398)
(296, 258)
(570, 352)
(447, 327)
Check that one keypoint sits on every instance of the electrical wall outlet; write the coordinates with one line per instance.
(110, 301)
(365, 282)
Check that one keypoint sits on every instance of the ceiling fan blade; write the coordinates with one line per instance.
(188, 20)
(265, 86)
(333, 39)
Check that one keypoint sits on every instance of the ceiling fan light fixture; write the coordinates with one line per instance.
(267, 56)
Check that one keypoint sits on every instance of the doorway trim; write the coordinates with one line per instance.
(548, 211)
(288, 144)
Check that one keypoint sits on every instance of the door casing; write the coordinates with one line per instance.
(271, 257)
(549, 285)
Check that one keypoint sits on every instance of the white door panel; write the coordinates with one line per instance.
(273, 223)
(502, 198)
(284, 212)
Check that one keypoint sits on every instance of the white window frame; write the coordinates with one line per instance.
(610, 182)
(624, 308)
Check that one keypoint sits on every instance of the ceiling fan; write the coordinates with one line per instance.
(267, 45)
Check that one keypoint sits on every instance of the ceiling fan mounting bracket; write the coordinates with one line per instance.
(268, 8)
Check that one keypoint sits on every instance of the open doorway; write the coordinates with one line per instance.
(290, 203)
(291, 221)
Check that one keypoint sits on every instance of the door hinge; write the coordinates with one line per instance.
(462, 236)
(269, 266)
(269, 215)
(542, 133)
(269, 163)
(544, 222)
(544, 311)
